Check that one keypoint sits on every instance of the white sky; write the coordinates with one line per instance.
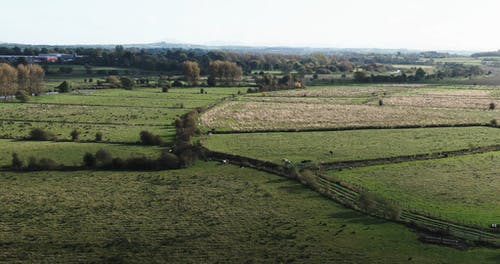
(424, 24)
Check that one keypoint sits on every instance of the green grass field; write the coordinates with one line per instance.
(463, 189)
(119, 114)
(69, 153)
(209, 213)
(351, 145)
(214, 213)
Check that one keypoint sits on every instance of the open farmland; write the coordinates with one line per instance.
(120, 115)
(208, 213)
(463, 189)
(352, 145)
(384, 106)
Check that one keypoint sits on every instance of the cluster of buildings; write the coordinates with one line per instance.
(43, 57)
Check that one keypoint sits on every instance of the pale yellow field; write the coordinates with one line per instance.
(273, 116)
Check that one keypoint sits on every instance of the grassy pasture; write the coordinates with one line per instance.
(68, 153)
(119, 114)
(209, 213)
(462, 189)
(110, 132)
(351, 145)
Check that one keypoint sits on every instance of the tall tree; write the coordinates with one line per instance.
(225, 72)
(8, 80)
(191, 72)
(23, 78)
(36, 76)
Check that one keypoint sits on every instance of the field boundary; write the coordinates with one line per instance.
(348, 195)
(407, 158)
(349, 128)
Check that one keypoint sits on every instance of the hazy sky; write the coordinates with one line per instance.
(412, 24)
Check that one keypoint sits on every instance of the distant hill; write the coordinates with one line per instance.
(238, 48)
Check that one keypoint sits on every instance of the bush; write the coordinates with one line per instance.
(492, 106)
(169, 160)
(64, 87)
(188, 157)
(22, 96)
(127, 83)
(147, 138)
(114, 81)
(164, 89)
(98, 136)
(17, 163)
(39, 134)
(494, 122)
(141, 163)
(118, 163)
(42, 164)
(377, 205)
(380, 102)
(75, 134)
(89, 160)
(177, 83)
(103, 157)
(211, 81)
(47, 164)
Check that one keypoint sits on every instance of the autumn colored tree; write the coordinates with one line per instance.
(191, 72)
(36, 75)
(8, 80)
(225, 72)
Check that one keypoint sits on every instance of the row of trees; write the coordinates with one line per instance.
(23, 78)
(220, 73)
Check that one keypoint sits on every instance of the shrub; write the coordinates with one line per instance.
(114, 81)
(188, 157)
(177, 83)
(164, 89)
(103, 157)
(147, 138)
(492, 106)
(141, 163)
(127, 83)
(39, 134)
(89, 160)
(202, 91)
(380, 102)
(211, 81)
(42, 164)
(98, 136)
(494, 122)
(17, 163)
(377, 205)
(47, 164)
(169, 160)
(32, 163)
(22, 96)
(118, 163)
(64, 87)
(75, 134)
